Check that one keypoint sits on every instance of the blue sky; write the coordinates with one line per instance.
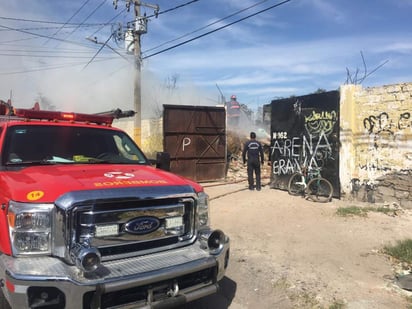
(293, 48)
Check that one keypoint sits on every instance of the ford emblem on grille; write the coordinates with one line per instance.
(142, 225)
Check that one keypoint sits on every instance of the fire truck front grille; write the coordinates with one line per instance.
(136, 296)
(115, 250)
(133, 227)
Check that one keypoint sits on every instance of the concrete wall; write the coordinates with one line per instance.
(151, 134)
(376, 143)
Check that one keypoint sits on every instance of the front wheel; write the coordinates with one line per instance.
(296, 185)
(320, 190)
(3, 301)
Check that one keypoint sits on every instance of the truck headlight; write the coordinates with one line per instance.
(202, 210)
(30, 228)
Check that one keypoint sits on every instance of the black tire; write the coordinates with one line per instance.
(4, 304)
(320, 190)
(295, 185)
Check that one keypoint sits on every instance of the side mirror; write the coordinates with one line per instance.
(163, 161)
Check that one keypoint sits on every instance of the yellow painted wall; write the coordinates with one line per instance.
(375, 133)
(151, 134)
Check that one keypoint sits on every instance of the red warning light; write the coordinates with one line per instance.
(56, 116)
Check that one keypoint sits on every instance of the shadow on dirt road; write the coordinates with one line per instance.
(220, 300)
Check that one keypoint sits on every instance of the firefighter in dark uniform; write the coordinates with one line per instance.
(253, 154)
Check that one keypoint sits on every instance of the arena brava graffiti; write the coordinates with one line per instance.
(305, 133)
(295, 152)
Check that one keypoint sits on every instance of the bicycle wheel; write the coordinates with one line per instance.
(296, 185)
(320, 190)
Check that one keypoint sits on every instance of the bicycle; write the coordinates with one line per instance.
(311, 183)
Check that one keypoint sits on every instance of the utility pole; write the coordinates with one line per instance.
(132, 40)
(137, 130)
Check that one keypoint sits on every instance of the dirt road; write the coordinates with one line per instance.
(287, 252)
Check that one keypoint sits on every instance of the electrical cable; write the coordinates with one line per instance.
(50, 56)
(47, 28)
(172, 9)
(17, 40)
(67, 24)
(64, 40)
(48, 22)
(73, 51)
(153, 54)
(43, 36)
(73, 15)
(204, 27)
(103, 45)
(109, 22)
(217, 29)
(87, 17)
(52, 67)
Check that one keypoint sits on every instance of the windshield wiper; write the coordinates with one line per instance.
(46, 161)
(33, 162)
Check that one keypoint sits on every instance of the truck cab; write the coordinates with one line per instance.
(86, 221)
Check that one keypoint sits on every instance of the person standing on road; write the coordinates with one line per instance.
(253, 154)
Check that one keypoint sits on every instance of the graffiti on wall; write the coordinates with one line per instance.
(305, 134)
(296, 152)
(320, 122)
(383, 123)
(311, 148)
(388, 143)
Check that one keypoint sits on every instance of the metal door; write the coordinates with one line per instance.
(195, 138)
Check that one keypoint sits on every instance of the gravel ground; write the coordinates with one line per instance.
(288, 252)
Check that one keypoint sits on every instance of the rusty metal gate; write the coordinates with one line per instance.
(195, 138)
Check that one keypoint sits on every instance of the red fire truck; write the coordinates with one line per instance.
(86, 221)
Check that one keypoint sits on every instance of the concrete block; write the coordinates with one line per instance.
(406, 204)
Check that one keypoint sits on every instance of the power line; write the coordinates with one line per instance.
(50, 56)
(73, 51)
(111, 36)
(172, 9)
(202, 28)
(62, 40)
(87, 17)
(50, 68)
(42, 36)
(62, 26)
(67, 24)
(48, 28)
(17, 40)
(100, 49)
(109, 22)
(151, 55)
(217, 29)
(48, 22)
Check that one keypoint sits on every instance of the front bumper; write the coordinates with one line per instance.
(175, 277)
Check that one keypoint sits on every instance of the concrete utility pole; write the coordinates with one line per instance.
(132, 38)
(137, 132)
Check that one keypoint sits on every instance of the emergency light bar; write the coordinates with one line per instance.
(52, 115)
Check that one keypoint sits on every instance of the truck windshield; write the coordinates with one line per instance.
(48, 144)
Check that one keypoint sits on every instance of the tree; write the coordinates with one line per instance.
(320, 90)
(355, 79)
